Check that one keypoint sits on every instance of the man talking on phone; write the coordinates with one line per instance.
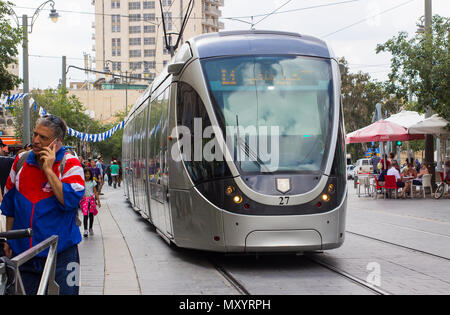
(42, 192)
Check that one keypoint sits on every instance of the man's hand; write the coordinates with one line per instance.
(48, 156)
(7, 249)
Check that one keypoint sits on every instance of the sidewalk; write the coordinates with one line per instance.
(106, 264)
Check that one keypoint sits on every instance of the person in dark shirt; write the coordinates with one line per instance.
(5, 166)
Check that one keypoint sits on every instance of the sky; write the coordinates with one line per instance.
(351, 28)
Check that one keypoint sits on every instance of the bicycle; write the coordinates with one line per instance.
(10, 279)
(441, 188)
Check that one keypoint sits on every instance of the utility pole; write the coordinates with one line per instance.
(26, 84)
(63, 80)
(429, 140)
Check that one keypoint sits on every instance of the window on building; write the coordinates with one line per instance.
(149, 41)
(168, 20)
(135, 65)
(149, 53)
(115, 23)
(115, 45)
(149, 28)
(135, 53)
(116, 66)
(149, 4)
(115, 4)
(134, 17)
(149, 16)
(135, 29)
(149, 65)
(134, 5)
(167, 3)
(135, 41)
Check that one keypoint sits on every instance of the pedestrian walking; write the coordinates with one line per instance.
(108, 173)
(115, 173)
(42, 192)
(88, 202)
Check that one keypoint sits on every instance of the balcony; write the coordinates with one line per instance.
(213, 11)
(219, 3)
(211, 23)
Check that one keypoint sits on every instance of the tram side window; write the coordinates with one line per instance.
(189, 107)
(155, 139)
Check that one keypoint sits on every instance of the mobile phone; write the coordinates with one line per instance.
(52, 144)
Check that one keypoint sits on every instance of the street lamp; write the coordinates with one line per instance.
(26, 23)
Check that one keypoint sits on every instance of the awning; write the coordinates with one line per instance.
(11, 141)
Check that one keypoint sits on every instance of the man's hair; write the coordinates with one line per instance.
(58, 125)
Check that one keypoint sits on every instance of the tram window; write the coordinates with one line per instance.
(291, 93)
(189, 108)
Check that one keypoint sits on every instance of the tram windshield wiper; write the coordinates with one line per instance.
(254, 157)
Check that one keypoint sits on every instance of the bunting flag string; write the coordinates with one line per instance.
(6, 100)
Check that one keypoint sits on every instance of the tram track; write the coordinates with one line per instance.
(235, 283)
(398, 245)
(316, 261)
(348, 276)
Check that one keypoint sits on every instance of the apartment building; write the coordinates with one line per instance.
(129, 36)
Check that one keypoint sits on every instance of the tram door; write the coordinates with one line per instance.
(164, 156)
(132, 162)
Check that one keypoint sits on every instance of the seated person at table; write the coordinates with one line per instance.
(423, 171)
(417, 181)
(410, 171)
(393, 171)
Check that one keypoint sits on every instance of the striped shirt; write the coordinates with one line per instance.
(29, 198)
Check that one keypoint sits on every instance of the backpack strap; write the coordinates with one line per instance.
(62, 165)
(21, 161)
(24, 157)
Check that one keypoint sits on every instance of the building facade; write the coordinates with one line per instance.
(129, 36)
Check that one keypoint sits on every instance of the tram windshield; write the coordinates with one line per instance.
(276, 111)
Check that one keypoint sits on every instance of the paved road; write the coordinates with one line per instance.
(126, 256)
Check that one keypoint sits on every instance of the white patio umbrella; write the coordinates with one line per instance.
(406, 118)
(434, 125)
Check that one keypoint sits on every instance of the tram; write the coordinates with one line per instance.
(238, 145)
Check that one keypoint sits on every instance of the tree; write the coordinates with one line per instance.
(112, 147)
(360, 95)
(9, 39)
(421, 66)
(58, 103)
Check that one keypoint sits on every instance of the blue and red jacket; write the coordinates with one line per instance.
(29, 198)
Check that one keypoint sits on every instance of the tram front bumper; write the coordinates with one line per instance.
(288, 240)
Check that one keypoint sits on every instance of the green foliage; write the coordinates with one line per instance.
(420, 65)
(113, 146)
(69, 108)
(10, 37)
(360, 95)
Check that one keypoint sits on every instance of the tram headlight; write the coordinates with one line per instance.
(229, 190)
(237, 199)
(326, 197)
(331, 189)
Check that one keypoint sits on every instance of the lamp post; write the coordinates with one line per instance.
(27, 27)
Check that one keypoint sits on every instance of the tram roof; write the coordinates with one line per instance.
(256, 42)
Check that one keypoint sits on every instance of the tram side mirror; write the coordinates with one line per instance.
(175, 68)
(342, 68)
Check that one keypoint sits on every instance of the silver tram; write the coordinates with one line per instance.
(238, 145)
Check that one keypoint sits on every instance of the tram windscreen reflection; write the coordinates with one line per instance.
(292, 93)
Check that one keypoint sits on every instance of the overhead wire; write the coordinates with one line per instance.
(368, 18)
